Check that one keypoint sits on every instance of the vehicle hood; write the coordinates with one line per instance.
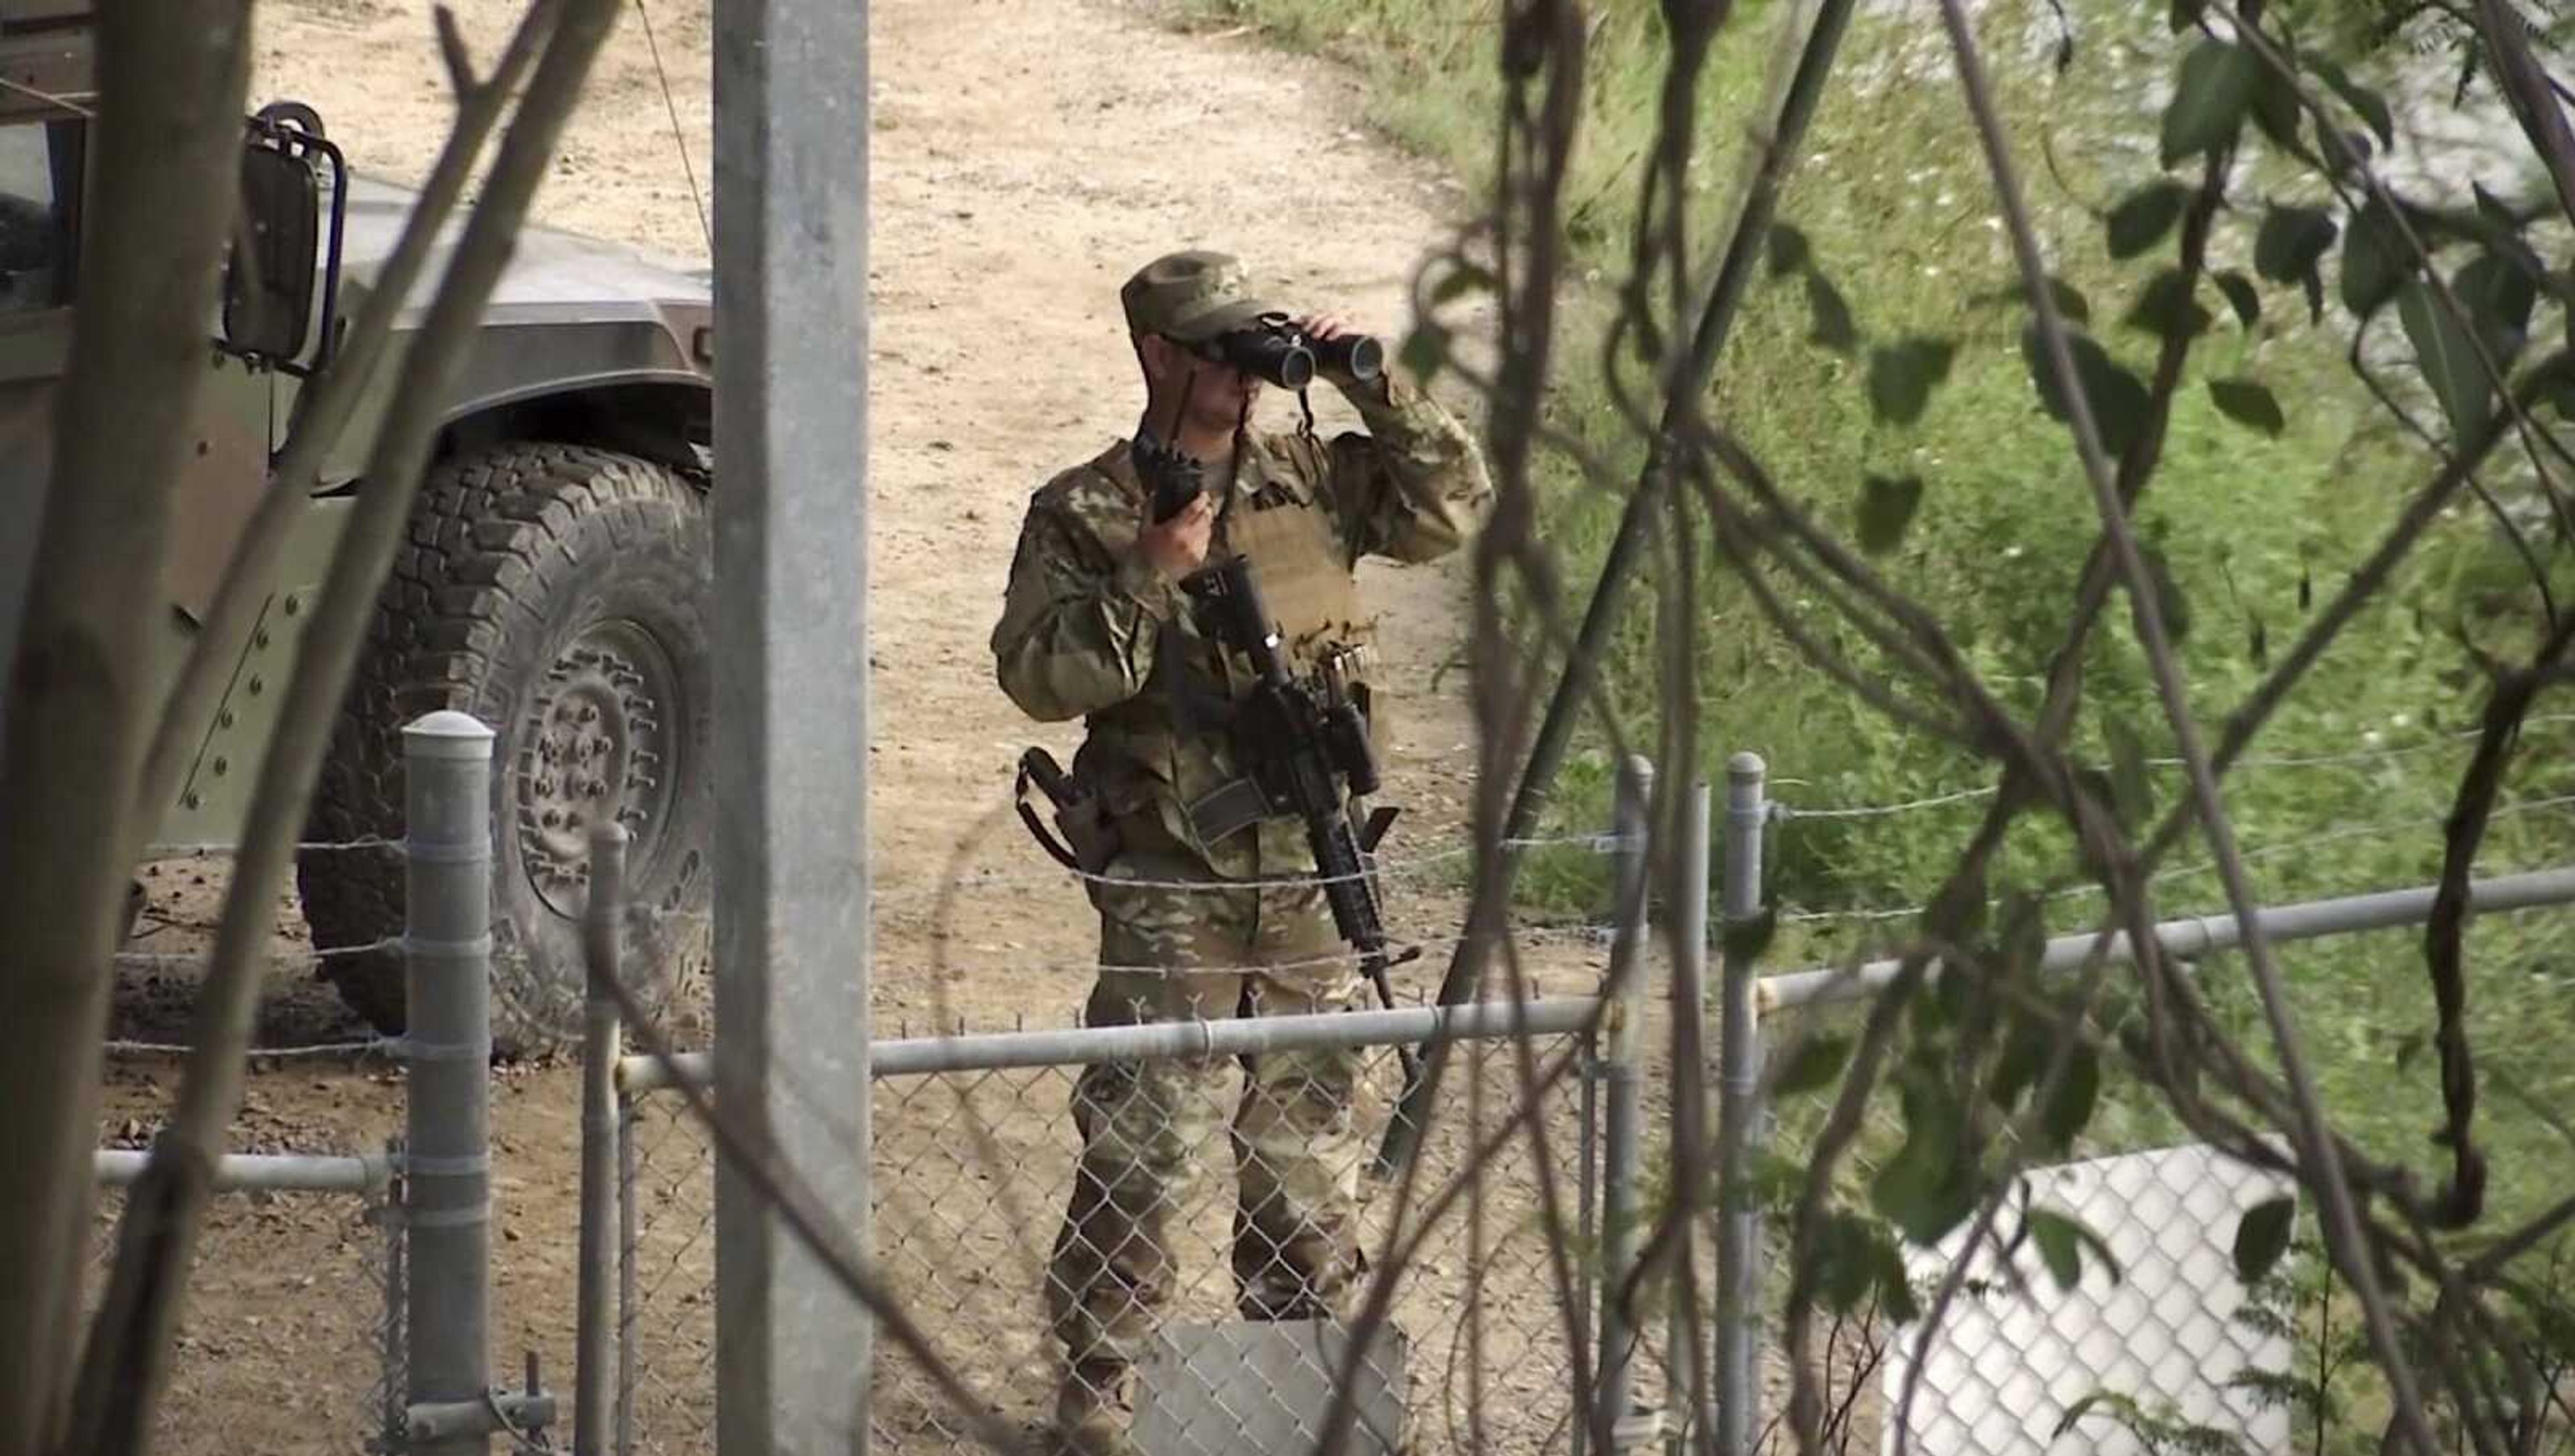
(552, 276)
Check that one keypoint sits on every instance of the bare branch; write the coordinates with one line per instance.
(172, 78)
(2446, 928)
(128, 1360)
(459, 62)
(2341, 1220)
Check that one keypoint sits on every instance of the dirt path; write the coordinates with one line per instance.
(1028, 154)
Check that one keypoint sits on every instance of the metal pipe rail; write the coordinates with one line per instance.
(2203, 934)
(119, 1167)
(1161, 1041)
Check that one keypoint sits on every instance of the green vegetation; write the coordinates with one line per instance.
(1877, 373)
(2256, 524)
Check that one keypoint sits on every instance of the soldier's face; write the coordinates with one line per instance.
(1219, 394)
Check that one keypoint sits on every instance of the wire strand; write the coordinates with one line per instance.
(679, 137)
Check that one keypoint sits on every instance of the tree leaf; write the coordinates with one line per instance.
(1833, 326)
(2069, 1111)
(2060, 1245)
(1894, 1291)
(1463, 279)
(2132, 788)
(2262, 1237)
(2069, 300)
(2372, 108)
(2374, 260)
(2143, 217)
(2209, 103)
(2249, 402)
(2078, 1410)
(2170, 601)
(2446, 353)
(2242, 294)
(2408, 1049)
(2168, 308)
(1926, 1188)
(2494, 209)
(2118, 397)
(2292, 242)
(1788, 249)
(2498, 294)
(1902, 375)
(1844, 1262)
(2024, 1056)
(2260, 646)
(1745, 940)
(1886, 507)
(2275, 109)
(1816, 1065)
(1424, 350)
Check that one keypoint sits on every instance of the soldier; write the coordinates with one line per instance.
(1096, 625)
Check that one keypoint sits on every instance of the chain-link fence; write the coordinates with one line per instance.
(1219, 1214)
(2107, 1306)
(275, 1355)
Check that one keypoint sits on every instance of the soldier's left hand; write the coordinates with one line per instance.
(1323, 327)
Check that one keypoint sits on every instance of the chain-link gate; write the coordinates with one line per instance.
(977, 1168)
(244, 1365)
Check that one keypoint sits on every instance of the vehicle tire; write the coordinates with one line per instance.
(561, 594)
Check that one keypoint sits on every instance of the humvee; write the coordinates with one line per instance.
(555, 582)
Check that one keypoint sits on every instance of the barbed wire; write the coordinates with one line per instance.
(392, 1046)
(153, 854)
(1379, 867)
(308, 955)
(2333, 835)
(1781, 810)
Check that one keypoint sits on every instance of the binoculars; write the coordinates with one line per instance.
(1274, 349)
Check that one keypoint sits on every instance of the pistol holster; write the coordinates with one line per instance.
(1090, 834)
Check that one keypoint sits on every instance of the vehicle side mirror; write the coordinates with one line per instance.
(268, 284)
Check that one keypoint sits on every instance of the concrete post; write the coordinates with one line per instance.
(790, 727)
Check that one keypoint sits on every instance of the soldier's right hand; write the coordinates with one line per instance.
(1178, 546)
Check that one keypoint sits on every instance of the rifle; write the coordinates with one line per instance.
(1297, 741)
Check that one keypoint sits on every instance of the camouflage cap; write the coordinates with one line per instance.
(1190, 296)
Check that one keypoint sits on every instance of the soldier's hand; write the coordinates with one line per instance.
(1178, 546)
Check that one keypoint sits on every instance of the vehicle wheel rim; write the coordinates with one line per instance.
(602, 740)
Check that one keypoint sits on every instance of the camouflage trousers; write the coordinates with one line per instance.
(1148, 1126)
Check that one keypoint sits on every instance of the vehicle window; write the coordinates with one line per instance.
(35, 245)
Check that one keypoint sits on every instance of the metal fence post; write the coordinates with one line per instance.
(630, 1234)
(1683, 1410)
(594, 1347)
(1622, 1113)
(447, 946)
(1739, 1236)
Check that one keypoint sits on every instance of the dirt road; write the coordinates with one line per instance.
(1028, 154)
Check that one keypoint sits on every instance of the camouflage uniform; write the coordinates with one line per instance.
(1090, 628)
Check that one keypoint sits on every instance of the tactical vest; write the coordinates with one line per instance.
(1281, 525)
(1284, 527)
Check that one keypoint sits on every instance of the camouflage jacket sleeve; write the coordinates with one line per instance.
(1084, 609)
(1413, 485)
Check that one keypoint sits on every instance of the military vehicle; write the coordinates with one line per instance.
(556, 579)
